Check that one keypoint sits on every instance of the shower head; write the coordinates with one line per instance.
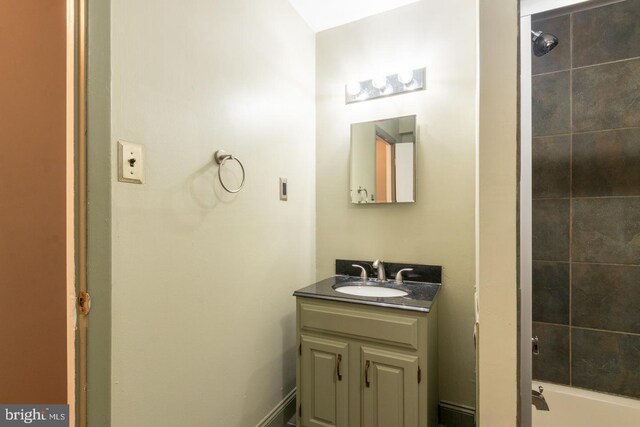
(543, 42)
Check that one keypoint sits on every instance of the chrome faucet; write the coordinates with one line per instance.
(538, 400)
(382, 275)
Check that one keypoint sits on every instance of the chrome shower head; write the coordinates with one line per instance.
(543, 42)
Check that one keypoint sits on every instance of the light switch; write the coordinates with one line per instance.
(130, 162)
(283, 189)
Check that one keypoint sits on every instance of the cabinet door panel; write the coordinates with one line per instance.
(324, 393)
(390, 388)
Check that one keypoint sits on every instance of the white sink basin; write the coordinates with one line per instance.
(371, 291)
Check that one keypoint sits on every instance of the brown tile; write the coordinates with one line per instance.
(606, 163)
(550, 301)
(606, 361)
(550, 228)
(606, 230)
(550, 104)
(606, 96)
(606, 297)
(552, 364)
(607, 33)
(559, 58)
(551, 166)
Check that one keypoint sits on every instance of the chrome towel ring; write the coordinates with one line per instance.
(220, 157)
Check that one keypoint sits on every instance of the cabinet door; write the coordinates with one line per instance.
(390, 388)
(324, 382)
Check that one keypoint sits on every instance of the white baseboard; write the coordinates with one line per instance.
(454, 415)
(281, 413)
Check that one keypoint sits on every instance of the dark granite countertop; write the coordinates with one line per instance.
(420, 294)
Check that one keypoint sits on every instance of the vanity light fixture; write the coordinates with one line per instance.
(379, 82)
(354, 88)
(393, 84)
(406, 77)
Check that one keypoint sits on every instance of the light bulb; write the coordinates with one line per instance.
(353, 88)
(405, 77)
(379, 82)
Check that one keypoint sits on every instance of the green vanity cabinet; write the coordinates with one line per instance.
(324, 393)
(390, 395)
(365, 366)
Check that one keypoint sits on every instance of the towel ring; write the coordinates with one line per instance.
(220, 157)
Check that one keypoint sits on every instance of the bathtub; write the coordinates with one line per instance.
(574, 407)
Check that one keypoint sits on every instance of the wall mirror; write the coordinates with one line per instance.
(383, 162)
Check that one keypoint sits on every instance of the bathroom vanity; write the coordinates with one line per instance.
(367, 360)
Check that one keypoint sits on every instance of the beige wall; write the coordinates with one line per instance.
(497, 213)
(33, 211)
(439, 227)
(203, 316)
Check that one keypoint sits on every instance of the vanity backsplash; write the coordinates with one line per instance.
(420, 273)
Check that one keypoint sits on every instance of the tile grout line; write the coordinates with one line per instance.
(570, 198)
(617, 61)
(587, 197)
(608, 331)
(612, 264)
(566, 70)
(571, 68)
(608, 264)
(584, 132)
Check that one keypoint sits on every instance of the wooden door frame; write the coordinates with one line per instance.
(81, 109)
(76, 183)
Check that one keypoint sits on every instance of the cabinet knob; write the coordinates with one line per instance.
(338, 362)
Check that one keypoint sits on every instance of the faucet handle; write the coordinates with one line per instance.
(363, 273)
(399, 275)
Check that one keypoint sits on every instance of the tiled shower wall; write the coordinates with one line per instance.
(586, 207)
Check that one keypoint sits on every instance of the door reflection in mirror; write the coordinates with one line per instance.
(383, 161)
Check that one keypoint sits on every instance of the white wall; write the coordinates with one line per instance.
(439, 227)
(203, 317)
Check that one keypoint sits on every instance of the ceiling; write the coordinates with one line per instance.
(324, 14)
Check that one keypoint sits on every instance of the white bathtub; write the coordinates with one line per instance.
(574, 407)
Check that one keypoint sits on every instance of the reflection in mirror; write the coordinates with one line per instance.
(383, 161)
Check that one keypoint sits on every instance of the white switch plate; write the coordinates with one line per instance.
(130, 164)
